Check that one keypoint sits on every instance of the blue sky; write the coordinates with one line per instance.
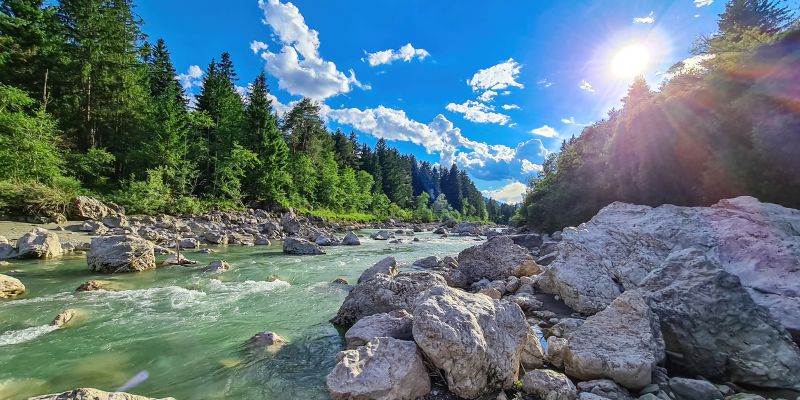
(492, 86)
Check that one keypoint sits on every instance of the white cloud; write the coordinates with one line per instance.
(510, 107)
(585, 85)
(478, 112)
(511, 193)
(529, 167)
(544, 83)
(649, 19)
(568, 121)
(497, 77)
(545, 131)
(279, 107)
(299, 68)
(192, 77)
(257, 46)
(487, 96)
(405, 53)
(703, 3)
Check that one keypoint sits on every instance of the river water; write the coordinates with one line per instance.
(179, 332)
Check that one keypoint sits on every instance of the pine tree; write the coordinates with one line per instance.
(638, 93)
(768, 16)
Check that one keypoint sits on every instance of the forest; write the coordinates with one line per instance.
(89, 104)
(726, 126)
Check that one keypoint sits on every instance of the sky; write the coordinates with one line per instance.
(491, 86)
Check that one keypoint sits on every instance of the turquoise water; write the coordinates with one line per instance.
(184, 329)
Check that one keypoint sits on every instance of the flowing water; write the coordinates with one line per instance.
(179, 332)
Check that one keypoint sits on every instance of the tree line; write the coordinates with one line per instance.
(88, 103)
(728, 128)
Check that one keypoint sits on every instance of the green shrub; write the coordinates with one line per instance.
(34, 198)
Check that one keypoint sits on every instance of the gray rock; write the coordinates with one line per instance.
(622, 342)
(94, 394)
(301, 247)
(713, 328)
(217, 266)
(120, 253)
(39, 243)
(387, 266)
(189, 243)
(216, 237)
(533, 355)
(116, 221)
(530, 241)
(396, 324)
(694, 389)
(605, 388)
(385, 293)
(565, 327)
(384, 369)
(327, 240)
(350, 239)
(476, 341)
(431, 262)
(495, 259)
(10, 287)
(547, 384)
(6, 250)
(269, 341)
(555, 351)
(290, 223)
(88, 208)
(382, 235)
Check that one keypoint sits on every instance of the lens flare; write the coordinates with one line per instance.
(630, 61)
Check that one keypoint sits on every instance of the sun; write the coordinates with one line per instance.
(630, 61)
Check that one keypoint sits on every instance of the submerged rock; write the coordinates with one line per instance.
(39, 243)
(10, 287)
(94, 394)
(547, 384)
(301, 247)
(396, 324)
(92, 285)
(387, 266)
(120, 253)
(622, 342)
(383, 369)
(498, 258)
(269, 341)
(217, 266)
(64, 318)
(385, 293)
(476, 341)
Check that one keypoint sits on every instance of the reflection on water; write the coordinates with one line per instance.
(186, 328)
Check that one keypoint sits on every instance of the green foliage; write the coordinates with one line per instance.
(93, 167)
(35, 198)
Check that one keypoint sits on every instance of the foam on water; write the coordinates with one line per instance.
(25, 335)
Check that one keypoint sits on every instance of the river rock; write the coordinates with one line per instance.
(530, 241)
(6, 249)
(217, 266)
(614, 252)
(216, 237)
(116, 221)
(476, 341)
(64, 318)
(385, 293)
(10, 287)
(495, 259)
(547, 384)
(622, 342)
(605, 389)
(189, 243)
(431, 262)
(556, 347)
(94, 394)
(396, 324)
(39, 243)
(327, 240)
(91, 285)
(120, 253)
(301, 247)
(387, 266)
(290, 223)
(88, 208)
(713, 328)
(533, 355)
(694, 389)
(350, 239)
(383, 369)
(269, 341)
(381, 235)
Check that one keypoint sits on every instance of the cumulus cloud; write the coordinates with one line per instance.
(649, 19)
(585, 85)
(487, 96)
(497, 77)
(510, 107)
(405, 53)
(545, 131)
(298, 66)
(478, 112)
(510, 194)
(703, 3)
(192, 77)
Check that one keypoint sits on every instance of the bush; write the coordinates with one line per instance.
(34, 198)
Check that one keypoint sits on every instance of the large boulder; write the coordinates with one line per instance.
(301, 247)
(383, 369)
(39, 243)
(83, 207)
(614, 252)
(350, 239)
(10, 287)
(387, 266)
(713, 328)
(547, 384)
(622, 342)
(385, 293)
(290, 223)
(497, 258)
(6, 249)
(381, 235)
(396, 324)
(120, 253)
(94, 394)
(476, 341)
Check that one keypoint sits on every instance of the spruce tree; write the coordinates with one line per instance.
(268, 179)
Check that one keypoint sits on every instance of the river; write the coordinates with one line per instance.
(177, 331)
